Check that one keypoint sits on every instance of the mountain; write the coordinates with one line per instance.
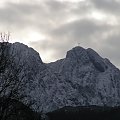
(82, 78)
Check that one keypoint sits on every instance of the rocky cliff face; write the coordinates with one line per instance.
(82, 78)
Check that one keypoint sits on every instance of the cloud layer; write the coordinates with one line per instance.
(61, 25)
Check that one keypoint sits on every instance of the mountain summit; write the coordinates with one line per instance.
(83, 78)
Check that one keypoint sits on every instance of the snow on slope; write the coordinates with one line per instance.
(82, 78)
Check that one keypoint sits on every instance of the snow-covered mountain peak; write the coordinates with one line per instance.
(86, 56)
(75, 52)
(82, 78)
(78, 54)
(19, 49)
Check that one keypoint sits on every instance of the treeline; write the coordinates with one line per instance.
(85, 113)
(23, 112)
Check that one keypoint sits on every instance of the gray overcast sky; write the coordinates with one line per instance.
(52, 27)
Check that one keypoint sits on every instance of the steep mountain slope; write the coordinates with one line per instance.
(82, 78)
(85, 78)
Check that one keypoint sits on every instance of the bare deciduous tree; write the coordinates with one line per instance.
(10, 84)
(4, 37)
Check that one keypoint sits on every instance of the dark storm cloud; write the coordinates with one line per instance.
(40, 14)
(43, 14)
(110, 6)
(13, 14)
(20, 15)
(82, 28)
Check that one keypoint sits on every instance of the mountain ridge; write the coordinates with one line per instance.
(82, 78)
